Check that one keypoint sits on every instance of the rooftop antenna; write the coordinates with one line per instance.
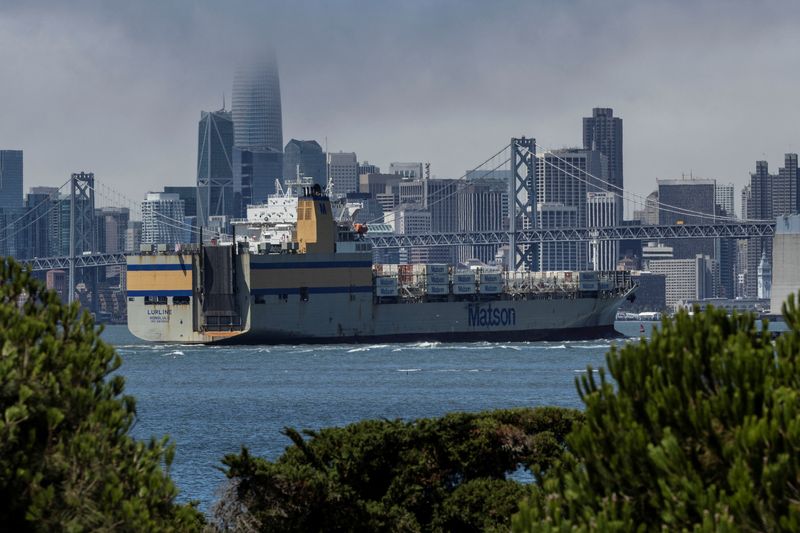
(428, 170)
(223, 100)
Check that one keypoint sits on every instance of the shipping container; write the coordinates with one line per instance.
(437, 268)
(463, 276)
(491, 288)
(464, 288)
(437, 290)
(385, 292)
(491, 277)
(437, 279)
(386, 281)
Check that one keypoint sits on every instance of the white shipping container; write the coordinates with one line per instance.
(437, 279)
(491, 288)
(385, 292)
(463, 288)
(464, 277)
(491, 277)
(437, 290)
(437, 268)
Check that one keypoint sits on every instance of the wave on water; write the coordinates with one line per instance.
(409, 370)
(579, 371)
(591, 346)
(559, 347)
(425, 345)
(174, 353)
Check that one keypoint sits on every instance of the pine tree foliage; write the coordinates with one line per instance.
(440, 474)
(700, 433)
(66, 459)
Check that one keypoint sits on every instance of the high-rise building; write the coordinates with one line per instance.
(214, 166)
(723, 196)
(562, 181)
(111, 225)
(648, 215)
(258, 132)
(304, 158)
(11, 179)
(366, 168)
(601, 212)
(685, 201)
(42, 219)
(480, 208)
(603, 132)
(133, 236)
(784, 187)
(407, 170)
(188, 195)
(343, 172)
(688, 279)
(766, 197)
(163, 219)
(256, 109)
(255, 171)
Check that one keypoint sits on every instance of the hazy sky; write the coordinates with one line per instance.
(117, 87)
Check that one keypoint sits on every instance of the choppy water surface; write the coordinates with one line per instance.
(212, 400)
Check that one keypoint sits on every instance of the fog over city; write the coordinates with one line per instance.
(117, 88)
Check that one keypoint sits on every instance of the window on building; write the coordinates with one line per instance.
(155, 300)
(180, 300)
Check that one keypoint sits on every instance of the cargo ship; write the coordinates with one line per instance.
(292, 275)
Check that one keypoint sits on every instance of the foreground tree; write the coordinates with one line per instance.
(66, 459)
(701, 433)
(443, 474)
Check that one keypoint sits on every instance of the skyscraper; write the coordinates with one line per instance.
(306, 157)
(162, 219)
(603, 132)
(257, 104)
(258, 132)
(687, 197)
(343, 172)
(11, 179)
(601, 211)
(562, 183)
(724, 198)
(768, 196)
(214, 165)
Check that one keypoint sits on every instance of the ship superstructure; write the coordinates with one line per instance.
(292, 275)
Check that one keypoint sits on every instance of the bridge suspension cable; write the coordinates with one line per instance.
(463, 182)
(619, 192)
(31, 211)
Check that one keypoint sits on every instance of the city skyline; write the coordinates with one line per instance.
(684, 112)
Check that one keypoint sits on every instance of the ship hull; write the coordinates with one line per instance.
(355, 318)
(544, 335)
(223, 297)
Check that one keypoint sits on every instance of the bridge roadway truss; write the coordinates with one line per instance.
(81, 261)
(733, 230)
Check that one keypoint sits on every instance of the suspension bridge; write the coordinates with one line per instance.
(522, 229)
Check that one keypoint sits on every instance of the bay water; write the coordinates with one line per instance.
(212, 400)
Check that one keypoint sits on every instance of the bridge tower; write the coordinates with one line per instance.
(522, 199)
(81, 226)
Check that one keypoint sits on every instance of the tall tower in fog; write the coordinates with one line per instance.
(256, 108)
(257, 132)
